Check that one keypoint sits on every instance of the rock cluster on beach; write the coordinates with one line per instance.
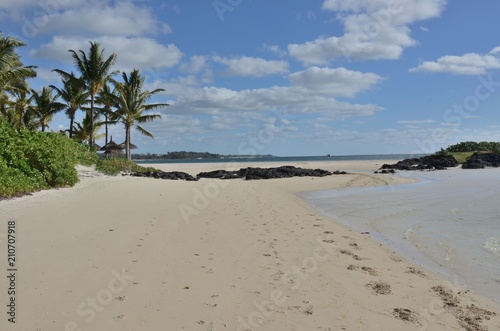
(480, 161)
(429, 162)
(246, 173)
(173, 175)
(268, 173)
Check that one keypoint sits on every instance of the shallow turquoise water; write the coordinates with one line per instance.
(449, 221)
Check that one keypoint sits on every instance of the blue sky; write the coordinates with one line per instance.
(286, 77)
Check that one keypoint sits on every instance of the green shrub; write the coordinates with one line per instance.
(114, 166)
(31, 160)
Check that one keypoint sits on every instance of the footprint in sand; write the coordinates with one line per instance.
(369, 270)
(380, 287)
(309, 310)
(354, 256)
(406, 315)
(415, 271)
(354, 245)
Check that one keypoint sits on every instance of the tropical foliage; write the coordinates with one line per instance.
(89, 91)
(472, 146)
(95, 72)
(32, 160)
(116, 165)
(74, 95)
(11, 68)
(44, 106)
(132, 105)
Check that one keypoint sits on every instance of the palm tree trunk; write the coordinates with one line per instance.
(71, 120)
(106, 127)
(20, 117)
(91, 139)
(127, 141)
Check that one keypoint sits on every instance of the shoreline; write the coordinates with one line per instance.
(214, 254)
(399, 240)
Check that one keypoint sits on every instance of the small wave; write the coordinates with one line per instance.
(493, 245)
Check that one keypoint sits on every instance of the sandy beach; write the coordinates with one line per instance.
(124, 253)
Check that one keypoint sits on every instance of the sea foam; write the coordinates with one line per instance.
(493, 245)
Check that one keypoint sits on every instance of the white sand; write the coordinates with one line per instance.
(121, 253)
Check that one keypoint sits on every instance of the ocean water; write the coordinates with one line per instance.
(284, 159)
(449, 221)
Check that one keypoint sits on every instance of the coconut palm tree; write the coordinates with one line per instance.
(11, 67)
(74, 95)
(19, 102)
(132, 105)
(81, 131)
(108, 99)
(95, 71)
(45, 105)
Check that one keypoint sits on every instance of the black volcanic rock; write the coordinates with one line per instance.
(480, 161)
(268, 173)
(174, 175)
(429, 162)
(220, 174)
(282, 172)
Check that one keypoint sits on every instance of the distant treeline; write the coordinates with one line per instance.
(472, 146)
(189, 155)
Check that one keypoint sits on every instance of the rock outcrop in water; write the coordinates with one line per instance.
(480, 161)
(429, 162)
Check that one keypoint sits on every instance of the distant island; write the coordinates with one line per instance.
(183, 155)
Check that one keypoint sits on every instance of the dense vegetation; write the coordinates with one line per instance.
(464, 150)
(93, 89)
(472, 146)
(181, 155)
(115, 166)
(32, 160)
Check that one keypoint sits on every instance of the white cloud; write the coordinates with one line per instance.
(217, 101)
(125, 19)
(467, 64)
(90, 19)
(150, 55)
(338, 82)
(195, 65)
(414, 122)
(310, 91)
(252, 67)
(373, 29)
(276, 50)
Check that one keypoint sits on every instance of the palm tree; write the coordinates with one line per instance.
(132, 105)
(45, 106)
(108, 99)
(11, 68)
(74, 96)
(95, 71)
(81, 131)
(19, 106)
